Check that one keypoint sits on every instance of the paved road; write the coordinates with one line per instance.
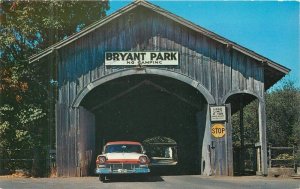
(153, 182)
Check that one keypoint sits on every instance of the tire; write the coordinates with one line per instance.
(102, 178)
(144, 177)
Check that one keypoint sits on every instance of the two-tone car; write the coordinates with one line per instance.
(122, 157)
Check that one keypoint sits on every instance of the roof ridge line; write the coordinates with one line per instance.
(168, 14)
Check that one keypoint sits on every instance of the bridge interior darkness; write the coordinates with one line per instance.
(141, 106)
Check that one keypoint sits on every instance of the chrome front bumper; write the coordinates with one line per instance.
(122, 169)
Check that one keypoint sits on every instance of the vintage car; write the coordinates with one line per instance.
(122, 157)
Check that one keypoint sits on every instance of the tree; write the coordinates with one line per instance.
(250, 124)
(282, 122)
(25, 28)
(283, 117)
(283, 114)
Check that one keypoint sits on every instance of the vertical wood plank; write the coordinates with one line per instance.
(262, 136)
(235, 72)
(228, 140)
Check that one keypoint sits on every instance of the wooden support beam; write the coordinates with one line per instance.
(262, 136)
(145, 82)
(174, 94)
(118, 96)
(228, 141)
(242, 135)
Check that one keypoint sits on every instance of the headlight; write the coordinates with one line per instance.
(101, 159)
(143, 159)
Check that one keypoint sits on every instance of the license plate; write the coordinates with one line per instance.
(122, 170)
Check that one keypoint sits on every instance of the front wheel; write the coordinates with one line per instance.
(102, 178)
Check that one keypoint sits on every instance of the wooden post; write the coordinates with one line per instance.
(270, 157)
(201, 125)
(294, 156)
(242, 152)
(258, 160)
(86, 141)
(262, 136)
(228, 141)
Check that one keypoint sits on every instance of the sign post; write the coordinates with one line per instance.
(218, 119)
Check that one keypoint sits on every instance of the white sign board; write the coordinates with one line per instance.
(165, 58)
(217, 113)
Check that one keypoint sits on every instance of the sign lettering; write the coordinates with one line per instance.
(170, 58)
(218, 130)
(218, 113)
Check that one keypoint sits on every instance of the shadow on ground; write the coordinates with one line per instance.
(155, 174)
(135, 178)
(172, 170)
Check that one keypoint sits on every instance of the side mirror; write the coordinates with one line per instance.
(144, 151)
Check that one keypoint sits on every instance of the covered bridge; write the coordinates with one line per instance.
(144, 72)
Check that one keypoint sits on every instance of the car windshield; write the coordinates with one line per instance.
(123, 148)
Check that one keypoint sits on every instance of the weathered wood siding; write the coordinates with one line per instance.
(218, 68)
(86, 141)
(66, 141)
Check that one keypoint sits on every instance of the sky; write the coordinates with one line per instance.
(270, 28)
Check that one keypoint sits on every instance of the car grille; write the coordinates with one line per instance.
(116, 166)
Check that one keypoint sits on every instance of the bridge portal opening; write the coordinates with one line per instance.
(138, 107)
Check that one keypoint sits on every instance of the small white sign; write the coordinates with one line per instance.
(218, 113)
(165, 58)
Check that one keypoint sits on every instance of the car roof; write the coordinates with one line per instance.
(123, 142)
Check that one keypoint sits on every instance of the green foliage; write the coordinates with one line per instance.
(283, 117)
(30, 113)
(250, 125)
(38, 24)
(285, 156)
(26, 101)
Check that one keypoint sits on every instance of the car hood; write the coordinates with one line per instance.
(122, 157)
(111, 156)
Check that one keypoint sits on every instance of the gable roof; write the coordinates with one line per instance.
(267, 62)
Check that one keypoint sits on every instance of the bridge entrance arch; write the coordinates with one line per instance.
(130, 106)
